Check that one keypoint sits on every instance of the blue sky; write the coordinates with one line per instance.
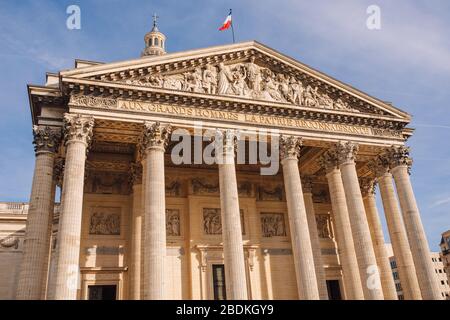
(407, 62)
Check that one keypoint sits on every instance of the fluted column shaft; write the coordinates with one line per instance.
(418, 242)
(136, 234)
(78, 133)
(36, 249)
(376, 232)
(365, 254)
(399, 240)
(298, 221)
(315, 241)
(155, 139)
(236, 283)
(344, 238)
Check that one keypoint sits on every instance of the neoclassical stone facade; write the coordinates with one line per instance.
(136, 221)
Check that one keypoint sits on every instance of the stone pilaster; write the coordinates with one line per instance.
(153, 144)
(236, 283)
(365, 254)
(397, 231)
(33, 273)
(368, 186)
(298, 221)
(136, 232)
(314, 235)
(78, 132)
(400, 164)
(344, 238)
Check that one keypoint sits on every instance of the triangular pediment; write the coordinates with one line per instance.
(249, 71)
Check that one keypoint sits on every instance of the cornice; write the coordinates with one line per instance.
(228, 53)
(101, 90)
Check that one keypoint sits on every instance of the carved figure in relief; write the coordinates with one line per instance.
(173, 83)
(285, 87)
(212, 221)
(297, 91)
(272, 225)
(156, 81)
(210, 79)
(270, 88)
(104, 224)
(309, 98)
(173, 222)
(193, 81)
(323, 227)
(340, 105)
(239, 85)
(253, 76)
(225, 79)
(325, 101)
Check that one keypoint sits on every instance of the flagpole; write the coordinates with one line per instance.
(232, 27)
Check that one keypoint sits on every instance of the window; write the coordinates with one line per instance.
(220, 292)
(398, 286)
(442, 282)
(401, 297)
(395, 275)
(440, 270)
(393, 264)
(440, 259)
(105, 292)
(436, 270)
(156, 42)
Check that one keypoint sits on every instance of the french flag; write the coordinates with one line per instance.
(227, 23)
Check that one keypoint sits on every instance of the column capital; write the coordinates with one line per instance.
(399, 156)
(329, 160)
(46, 139)
(290, 147)
(225, 140)
(307, 183)
(136, 173)
(58, 171)
(379, 166)
(78, 128)
(154, 136)
(368, 186)
(346, 151)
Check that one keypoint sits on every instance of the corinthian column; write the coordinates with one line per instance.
(298, 221)
(400, 163)
(344, 238)
(397, 232)
(77, 134)
(37, 237)
(136, 232)
(365, 254)
(315, 241)
(233, 251)
(376, 232)
(153, 144)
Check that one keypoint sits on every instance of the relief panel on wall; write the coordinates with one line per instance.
(324, 226)
(105, 221)
(212, 221)
(273, 225)
(173, 226)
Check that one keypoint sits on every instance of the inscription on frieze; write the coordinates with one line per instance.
(246, 118)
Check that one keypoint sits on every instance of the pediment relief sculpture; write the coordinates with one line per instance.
(246, 80)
